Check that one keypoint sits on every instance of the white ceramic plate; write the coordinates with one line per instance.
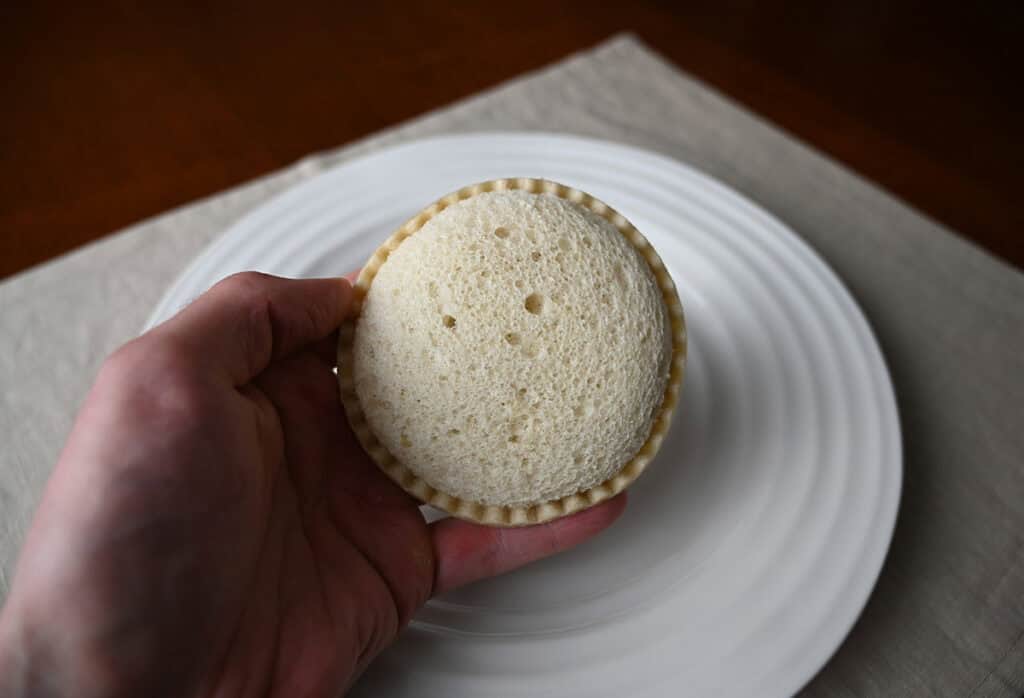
(753, 541)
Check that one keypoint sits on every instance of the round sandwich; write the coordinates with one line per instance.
(515, 355)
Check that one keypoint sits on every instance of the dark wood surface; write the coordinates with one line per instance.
(115, 111)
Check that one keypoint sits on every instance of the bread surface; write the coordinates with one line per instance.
(514, 350)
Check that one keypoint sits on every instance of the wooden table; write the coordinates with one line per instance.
(115, 111)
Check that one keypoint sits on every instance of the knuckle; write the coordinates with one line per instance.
(153, 381)
(123, 366)
(253, 325)
(147, 357)
(179, 405)
(248, 286)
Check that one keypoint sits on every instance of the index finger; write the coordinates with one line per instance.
(247, 320)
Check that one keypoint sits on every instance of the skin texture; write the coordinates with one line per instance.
(212, 528)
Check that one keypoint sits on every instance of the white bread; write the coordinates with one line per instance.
(515, 350)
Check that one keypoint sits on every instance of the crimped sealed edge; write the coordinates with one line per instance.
(494, 515)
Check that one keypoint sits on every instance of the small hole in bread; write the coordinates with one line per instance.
(448, 321)
(513, 338)
(501, 232)
(535, 256)
(534, 303)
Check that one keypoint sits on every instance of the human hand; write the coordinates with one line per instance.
(212, 527)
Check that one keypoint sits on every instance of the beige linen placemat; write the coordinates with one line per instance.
(947, 616)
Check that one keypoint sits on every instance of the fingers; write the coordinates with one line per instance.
(467, 552)
(244, 322)
(326, 350)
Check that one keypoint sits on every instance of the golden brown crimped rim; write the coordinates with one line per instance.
(489, 514)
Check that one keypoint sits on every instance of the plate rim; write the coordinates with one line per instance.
(885, 520)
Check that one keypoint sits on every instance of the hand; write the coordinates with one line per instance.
(213, 528)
